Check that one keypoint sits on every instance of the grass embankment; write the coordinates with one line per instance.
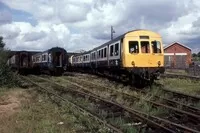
(28, 111)
(182, 85)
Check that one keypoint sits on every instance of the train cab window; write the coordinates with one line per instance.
(145, 47)
(105, 52)
(156, 46)
(133, 47)
(111, 50)
(116, 49)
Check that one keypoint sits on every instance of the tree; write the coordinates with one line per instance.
(2, 44)
(7, 78)
(194, 55)
(198, 54)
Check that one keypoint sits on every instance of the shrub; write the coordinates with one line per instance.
(7, 77)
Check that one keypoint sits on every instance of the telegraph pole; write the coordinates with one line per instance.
(112, 31)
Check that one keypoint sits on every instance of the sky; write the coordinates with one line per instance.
(75, 25)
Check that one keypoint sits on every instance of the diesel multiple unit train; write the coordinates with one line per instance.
(51, 61)
(137, 55)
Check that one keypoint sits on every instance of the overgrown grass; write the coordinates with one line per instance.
(111, 93)
(39, 115)
(182, 85)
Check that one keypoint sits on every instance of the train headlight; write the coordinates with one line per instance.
(133, 63)
(159, 63)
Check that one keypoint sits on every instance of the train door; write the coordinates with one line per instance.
(58, 59)
(23, 60)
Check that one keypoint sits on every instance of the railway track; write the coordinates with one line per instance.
(38, 83)
(175, 94)
(172, 127)
(192, 113)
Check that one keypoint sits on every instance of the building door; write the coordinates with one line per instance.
(181, 60)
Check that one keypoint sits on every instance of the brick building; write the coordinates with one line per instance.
(177, 55)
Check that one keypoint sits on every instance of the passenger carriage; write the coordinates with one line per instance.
(137, 55)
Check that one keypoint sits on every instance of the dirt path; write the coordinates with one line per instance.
(9, 105)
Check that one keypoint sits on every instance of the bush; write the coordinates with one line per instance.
(7, 77)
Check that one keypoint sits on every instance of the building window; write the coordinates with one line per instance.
(133, 47)
(111, 50)
(116, 49)
(156, 46)
(145, 47)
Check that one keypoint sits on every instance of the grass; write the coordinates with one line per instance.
(182, 85)
(39, 115)
(140, 104)
(176, 71)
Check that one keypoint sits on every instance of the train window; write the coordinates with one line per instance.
(111, 50)
(133, 47)
(38, 59)
(88, 57)
(105, 52)
(45, 58)
(116, 49)
(145, 47)
(33, 59)
(49, 57)
(156, 46)
(101, 53)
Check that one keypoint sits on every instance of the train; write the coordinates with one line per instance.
(137, 55)
(52, 61)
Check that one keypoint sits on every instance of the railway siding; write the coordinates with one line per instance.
(152, 117)
(194, 118)
(151, 121)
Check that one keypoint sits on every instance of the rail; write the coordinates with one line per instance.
(157, 120)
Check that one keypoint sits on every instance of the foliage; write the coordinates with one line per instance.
(194, 55)
(198, 54)
(2, 44)
(7, 78)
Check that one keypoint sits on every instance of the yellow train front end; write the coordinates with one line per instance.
(143, 55)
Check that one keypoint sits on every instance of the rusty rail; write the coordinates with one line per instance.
(84, 111)
(167, 124)
(193, 117)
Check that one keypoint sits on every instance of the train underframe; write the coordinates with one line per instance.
(54, 71)
(134, 76)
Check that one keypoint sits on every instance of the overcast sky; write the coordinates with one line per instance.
(84, 24)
